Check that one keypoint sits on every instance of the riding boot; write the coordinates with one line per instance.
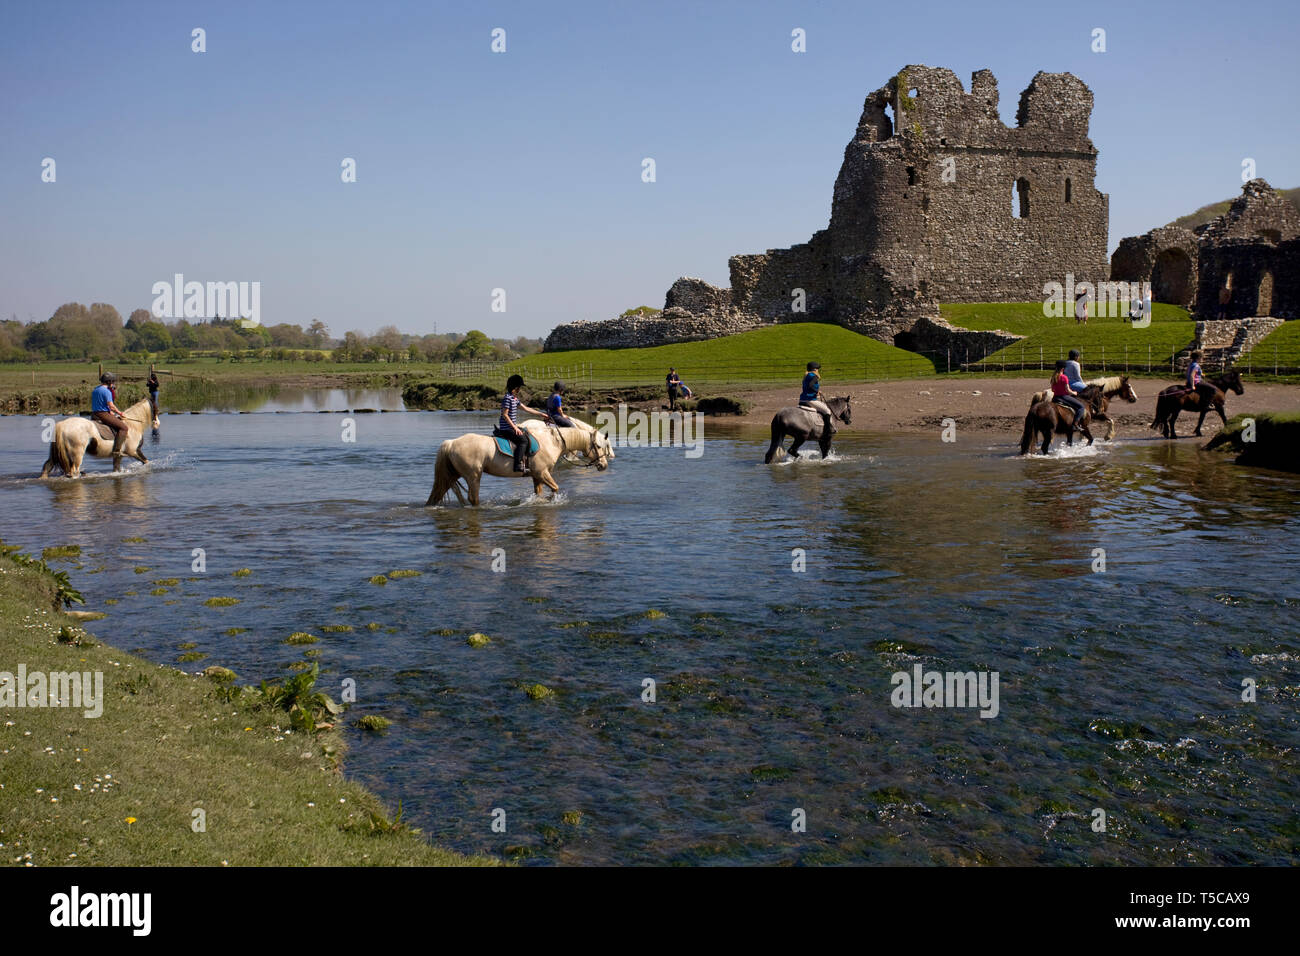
(829, 424)
(519, 458)
(119, 438)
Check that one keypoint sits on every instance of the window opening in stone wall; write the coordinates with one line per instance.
(1020, 199)
(1068, 191)
(911, 175)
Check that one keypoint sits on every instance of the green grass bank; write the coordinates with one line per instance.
(121, 789)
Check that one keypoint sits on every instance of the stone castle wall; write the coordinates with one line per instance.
(921, 211)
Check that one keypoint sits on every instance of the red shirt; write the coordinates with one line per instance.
(1060, 384)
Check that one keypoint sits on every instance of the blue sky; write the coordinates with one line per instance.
(522, 170)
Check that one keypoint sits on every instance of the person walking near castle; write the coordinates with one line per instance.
(1225, 297)
(1081, 309)
(810, 397)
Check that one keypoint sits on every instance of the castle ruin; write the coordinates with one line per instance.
(936, 200)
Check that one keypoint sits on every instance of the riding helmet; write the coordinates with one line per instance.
(1074, 354)
(514, 381)
(814, 365)
(108, 378)
(557, 387)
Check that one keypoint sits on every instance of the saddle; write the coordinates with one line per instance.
(105, 433)
(507, 448)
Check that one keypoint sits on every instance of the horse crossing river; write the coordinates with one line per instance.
(1121, 595)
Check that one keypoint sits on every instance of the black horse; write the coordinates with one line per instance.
(804, 424)
(1179, 398)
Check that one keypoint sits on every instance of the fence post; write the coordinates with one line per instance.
(1103, 358)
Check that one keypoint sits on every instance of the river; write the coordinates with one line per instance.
(1120, 685)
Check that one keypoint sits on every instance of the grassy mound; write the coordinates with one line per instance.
(1280, 349)
(1276, 440)
(1107, 344)
(768, 355)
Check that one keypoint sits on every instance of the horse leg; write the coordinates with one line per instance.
(1171, 429)
(471, 488)
(1199, 422)
(1046, 431)
(1086, 434)
(550, 483)
(793, 451)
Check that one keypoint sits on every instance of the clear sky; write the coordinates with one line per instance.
(522, 170)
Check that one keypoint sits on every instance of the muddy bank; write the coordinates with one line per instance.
(998, 404)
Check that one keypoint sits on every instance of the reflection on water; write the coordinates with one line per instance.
(1119, 690)
(191, 395)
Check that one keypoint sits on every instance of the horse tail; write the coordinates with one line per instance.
(1027, 439)
(444, 476)
(59, 446)
(1162, 412)
(775, 450)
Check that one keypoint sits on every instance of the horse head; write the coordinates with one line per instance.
(1127, 391)
(601, 449)
(1232, 380)
(841, 408)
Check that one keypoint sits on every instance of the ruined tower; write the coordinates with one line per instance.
(942, 202)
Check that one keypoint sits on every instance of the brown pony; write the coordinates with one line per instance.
(1110, 387)
(1046, 418)
(1179, 398)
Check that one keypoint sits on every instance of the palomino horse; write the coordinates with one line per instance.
(1110, 387)
(471, 456)
(803, 424)
(1177, 398)
(1047, 417)
(77, 437)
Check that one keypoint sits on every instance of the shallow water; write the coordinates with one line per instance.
(1118, 690)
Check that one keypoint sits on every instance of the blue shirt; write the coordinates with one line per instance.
(1074, 375)
(100, 398)
(1193, 374)
(811, 385)
(553, 404)
(509, 409)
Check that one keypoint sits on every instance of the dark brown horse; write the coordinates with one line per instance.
(803, 424)
(1179, 398)
(1046, 418)
(1115, 385)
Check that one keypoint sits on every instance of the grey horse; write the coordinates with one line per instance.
(804, 424)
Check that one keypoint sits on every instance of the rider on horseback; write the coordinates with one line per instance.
(808, 397)
(1063, 392)
(104, 411)
(507, 427)
(555, 407)
(1196, 381)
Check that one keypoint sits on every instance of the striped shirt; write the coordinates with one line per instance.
(509, 409)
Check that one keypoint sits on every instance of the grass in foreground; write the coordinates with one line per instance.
(121, 789)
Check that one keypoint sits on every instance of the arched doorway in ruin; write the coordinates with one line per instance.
(1265, 302)
(1171, 278)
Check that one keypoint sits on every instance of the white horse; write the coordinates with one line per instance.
(76, 437)
(471, 456)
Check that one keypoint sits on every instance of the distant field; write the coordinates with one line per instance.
(1106, 343)
(762, 356)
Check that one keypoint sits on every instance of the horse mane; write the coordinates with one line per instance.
(144, 402)
(1109, 384)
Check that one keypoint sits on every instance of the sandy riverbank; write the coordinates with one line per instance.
(996, 404)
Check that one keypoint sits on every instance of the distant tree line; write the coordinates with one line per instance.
(97, 333)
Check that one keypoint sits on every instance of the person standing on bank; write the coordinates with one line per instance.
(674, 389)
(810, 396)
(152, 385)
(508, 427)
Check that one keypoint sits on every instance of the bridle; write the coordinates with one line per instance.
(564, 445)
